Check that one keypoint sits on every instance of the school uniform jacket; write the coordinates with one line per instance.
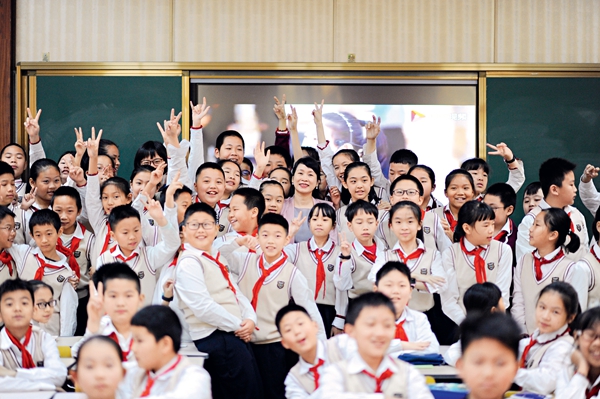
(96, 216)
(82, 255)
(50, 372)
(36, 152)
(352, 274)
(300, 381)
(433, 232)
(592, 260)
(589, 196)
(572, 385)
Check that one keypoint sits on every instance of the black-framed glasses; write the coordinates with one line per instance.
(44, 305)
(410, 192)
(195, 226)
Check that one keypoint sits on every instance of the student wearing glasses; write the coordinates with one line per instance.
(43, 303)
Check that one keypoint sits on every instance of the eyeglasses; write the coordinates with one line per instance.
(410, 192)
(590, 335)
(196, 226)
(10, 229)
(44, 305)
(495, 208)
(245, 173)
(154, 162)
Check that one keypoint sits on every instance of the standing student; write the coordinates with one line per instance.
(558, 185)
(274, 195)
(460, 189)
(246, 207)
(532, 196)
(30, 359)
(502, 199)
(8, 266)
(548, 263)
(401, 162)
(490, 353)
(284, 177)
(587, 190)
(229, 145)
(546, 353)
(210, 188)
(427, 178)
(474, 258)
(592, 259)
(43, 298)
(370, 370)
(233, 174)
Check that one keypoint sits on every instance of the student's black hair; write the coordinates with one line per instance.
(222, 162)
(116, 271)
(594, 225)
(199, 207)
(120, 213)
(368, 300)
(533, 188)
(457, 172)
(390, 267)
(38, 284)
(404, 156)
(178, 192)
(497, 326)
(482, 297)
(41, 165)
(209, 165)
(273, 218)
(556, 219)
(44, 217)
(506, 193)
(589, 319)
(323, 208)
(315, 167)
(471, 212)
(66, 153)
(476, 164)
(353, 155)
(271, 183)
(354, 165)
(569, 298)
(5, 211)
(105, 143)
(150, 149)
(14, 145)
(414, 208)
(552, 173)
(66, 191)
(311, 152)
(99, 338)
(121, 184)
(6, 169)
(85, 160)
(277, 150)
(12, 285)
(139, 169)
(409, 177)
(289, 308)
(427, 170)
(249, 163)
(160, 321)
(290, 177)
(252, 199)
(228, 133)
(366, 207)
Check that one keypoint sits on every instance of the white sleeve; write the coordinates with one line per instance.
(332, 385)
(54, 371)
(176, 163)
(342, 278)
(569, 386)
(522, 247)
(376, 172)
(450, 296)
(194, 382)
(516, 177)
(68, 310)
(579, 276)
(453, 353)
(149, 232)
(293, 388)
(162, 253)
(303, 296)
(341, 306)
(504, 277)
(417, 389)
(94, 204)
(437, 269)
(196, 157)
(542, 379)
(36, 152)
(518, 305)
(441, 239)
(235, 257)
(589, 196)
(83, 217)
(255, 182)
(326, 157)
(425, 334)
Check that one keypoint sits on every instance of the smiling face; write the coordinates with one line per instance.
(232, 177)
(397, 169)
(105, 165)
(121, 300)
(406, 190)
(305, 179)
(550, 312)
(42, 295)
(359, 184)
(232, 149)
(273, 198)
(7, 232)
(99, 370)
(340, 162)
(530, 201)
(283, 178)
(459, 191)
(589, 345)
(272, 238)
(47, 182)
(201, 237)
(113, 152)
(16, 309)
(275, 161)
(373, 331)
(298, 332)
(15, 157)
(128, 234)
(210, 186)
(405, 225)
(480, 178)
(183, 201)
(240, 217)
(8, 191)
(396, 286)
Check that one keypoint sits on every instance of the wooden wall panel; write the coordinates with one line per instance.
(548, 31)
(94, 30)
(414, 30)
(7, 65)
(253, 31)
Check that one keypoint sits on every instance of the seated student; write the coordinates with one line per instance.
(592, 259)
(558, 185)
(160, 371)
(43, 298)
(115, 296)
(30, 359)
(502, 199)
(587, 190)
(413, 331)
(370, 370)
(479, 298)
(489, 358)
(426, 176)
(480, 170)
(98, 368)
(246, 207)
(581, 380)
(546, 353)
(8, 267)
(532, 196)
(146, 261)
(271, 281)
(220, 318)
(460, 189)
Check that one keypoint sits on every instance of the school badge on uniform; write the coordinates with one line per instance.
(578, 226)
(398, 395)
(491, 266)
(330, 267)
(280, 284)
(221, 228)
(423, 271)
(17, 225)
(77, 254)
(555, 279)
(151, 221)
(141, 275)
(426, 230)
(20, 198)
(60, 278)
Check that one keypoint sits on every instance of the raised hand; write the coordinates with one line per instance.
(296, 224)
(168, 288)
(157, 175)
(170, 194)
(292, 119)
(318, 112)
(77, 175)
(373, 128)
(336, 197)
(172, 129)
(344, 244)
(502, 150)
(28, 199)
(199, 112)
(261, 159)
(590, 172)
(156, 212)
(93, 143)
(95, 307)
(279, 108)
(80, 144)
(32, 126)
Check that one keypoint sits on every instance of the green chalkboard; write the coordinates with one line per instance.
(540, 118)
(126, 108)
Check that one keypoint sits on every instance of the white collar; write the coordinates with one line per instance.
(507, 226)
(357, 365)
(5, 342)
(268, 265)
(305, 366)
(78, 233)
(471, 247)
(358, 247)
(109, 328)
(312, 245)
(544, 205)
(549, 256)
(398, 247)
(407, 315)
(165, 368)
(543, 338)
(116, 251)
(62, 259)
(199, 252)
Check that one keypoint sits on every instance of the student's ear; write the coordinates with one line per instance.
(553, 189)
(598, 226)
(467, 228)
(459, 366)
(284, 344)
(254, 213)
(112, 235)
(31, 182)
(287, 240)
(344, 184)
(142, 298)
(216, 155)
(130, 196)
(432, 187)
(73, 375)
(553, 236)
(509, 210)
(349, 225)
(374, 287)
(165, 344)
(60, 231)
(349, 329)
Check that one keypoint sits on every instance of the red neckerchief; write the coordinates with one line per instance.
(422, 215)
(416, 254)
(224, 270)
(319, 255)
(450, 218)
(572, 225)
(590, 393)
(478, 262)
(265, 273)
(379, 380)
(368, 255)
(400, 333)
(315, 370)
(106, 239)
(69, 254)
(114, 337)
(532, 342)
(26, 358)
(8, 260)
(176, 257)
(539, 262)
(122, 258)
(254, 233)
(39, 273)
(151, 380)
(221, 205)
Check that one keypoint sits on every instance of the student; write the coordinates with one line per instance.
(98, 368)
(548, 263)
(270, 281)
(592, 259)
(460, 188)
(532, 196)
(480, 170)
(413, 331)
(220, 318)
(558, 185)
(587, 190)
(8, 191)
(474, 258)
(247, 169)
(115, 296)
(160, 371)
(485, 298)
(66, 202)
(30, 359)
(64, 161)
(151, 153)
(371, 322)
(232, 174)
(401, 162)
(581, 379)
(427, 178)
(230, 145)
(43, 299)
(546, 353)
(139, 179)
(210, 187)
(274, 195)
(8, 267)
(278, 158)
(284, 177)
(183, 197)
(502, 199)
(246, 207)
(489, 358)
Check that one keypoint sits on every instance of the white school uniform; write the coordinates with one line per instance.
(545, 362)
(527, 288)
(22, 218)
(578, 221)
(346, 380)
(108, 329)
(352, 274)
(572, 385)
(300, 381)
(592, 259)
(433, 203)
(96, 216)
(42, 346)
(150, 230)
(434, 236)
(36, 152)
(453, 353)
(8, 272)
(459, 269)
(589, 195)
(82, 255)
(417, 329)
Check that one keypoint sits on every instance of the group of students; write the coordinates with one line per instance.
(297, 279)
